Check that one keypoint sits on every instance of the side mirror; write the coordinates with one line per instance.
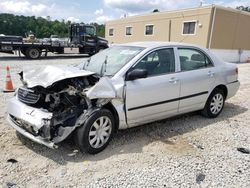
(136, 74)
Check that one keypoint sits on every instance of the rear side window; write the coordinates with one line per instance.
(158, 62)
(192, 59)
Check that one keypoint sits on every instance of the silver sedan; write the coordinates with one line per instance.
(121, 87)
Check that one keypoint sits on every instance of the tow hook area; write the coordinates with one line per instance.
(37, 139)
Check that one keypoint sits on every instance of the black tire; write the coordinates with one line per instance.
(82, 50)
(33, 53)
(83, 137)
(60, 51)
(92, 52)
(210, 110)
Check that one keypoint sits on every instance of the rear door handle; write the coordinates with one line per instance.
(173, 80)
(210, 74)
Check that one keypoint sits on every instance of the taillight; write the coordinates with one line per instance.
(237, 70)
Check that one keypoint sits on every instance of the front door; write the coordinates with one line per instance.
(157, 96)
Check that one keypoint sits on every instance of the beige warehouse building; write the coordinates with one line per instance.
(225, 31)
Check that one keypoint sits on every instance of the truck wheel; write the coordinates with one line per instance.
(81, 50)
(96, 133)
(33, 53)
(101, 48)
(60, 51)
(214, 104)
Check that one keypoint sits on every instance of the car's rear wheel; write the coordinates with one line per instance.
(214, 104)
(96, 133)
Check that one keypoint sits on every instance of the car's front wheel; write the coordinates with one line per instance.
(96, 133)
(214, 104)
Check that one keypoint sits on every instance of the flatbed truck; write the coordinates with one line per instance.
(82, 37)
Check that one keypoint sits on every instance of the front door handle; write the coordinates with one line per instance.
(173, 80)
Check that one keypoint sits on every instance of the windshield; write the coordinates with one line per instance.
(110, 61)
(90, 30)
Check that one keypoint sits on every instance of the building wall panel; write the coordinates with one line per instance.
(162, 29)
(231, 30)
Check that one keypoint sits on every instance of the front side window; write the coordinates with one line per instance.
(192, 59)
(158, 62)
(189, 28)
(128, 30)
(111, 32)
(111, 60)
(149, 30)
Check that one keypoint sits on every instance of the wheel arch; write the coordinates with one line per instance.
(111, 107)
(222, 88)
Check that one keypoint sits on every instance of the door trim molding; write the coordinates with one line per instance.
(168, 101)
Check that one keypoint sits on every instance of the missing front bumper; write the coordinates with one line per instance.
(28, 121)
(25, 133)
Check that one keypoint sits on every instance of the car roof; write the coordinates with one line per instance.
(155, 44)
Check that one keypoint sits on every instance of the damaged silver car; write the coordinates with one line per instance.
(121, 87)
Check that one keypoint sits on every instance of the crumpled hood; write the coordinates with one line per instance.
(47, 75)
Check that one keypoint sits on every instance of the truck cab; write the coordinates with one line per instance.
(85, 36)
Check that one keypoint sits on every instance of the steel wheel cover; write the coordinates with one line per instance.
(34, 53)
(216, 103)
(100, 132)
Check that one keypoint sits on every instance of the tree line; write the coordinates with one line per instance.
(42, 27)
(247, 9)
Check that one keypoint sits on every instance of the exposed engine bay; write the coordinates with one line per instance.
(59, 96)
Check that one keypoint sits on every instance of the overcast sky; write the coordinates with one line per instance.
(101, 10)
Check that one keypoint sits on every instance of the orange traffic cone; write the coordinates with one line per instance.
(8, 83)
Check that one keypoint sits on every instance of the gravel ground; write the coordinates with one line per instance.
(185, 151)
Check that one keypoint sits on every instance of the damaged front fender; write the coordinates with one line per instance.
(102, 90)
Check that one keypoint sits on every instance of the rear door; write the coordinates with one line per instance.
(156, 96)
(197, 77)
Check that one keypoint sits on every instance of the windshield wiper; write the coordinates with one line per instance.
(104, 66)
(84, 65)
(86, 62)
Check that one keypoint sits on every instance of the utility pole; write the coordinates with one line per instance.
(201, 3)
